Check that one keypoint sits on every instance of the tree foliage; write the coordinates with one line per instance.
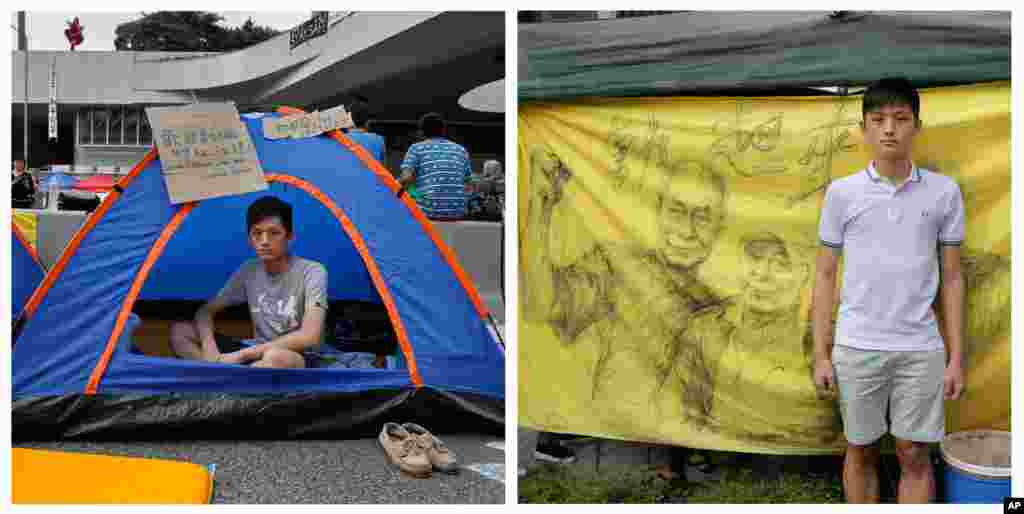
(187, 31)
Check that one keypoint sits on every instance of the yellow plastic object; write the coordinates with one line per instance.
(667, 251)
(52, 477)
(28, 224)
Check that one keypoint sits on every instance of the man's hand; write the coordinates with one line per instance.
(210, 353)
(231, 358)
(824, 378)
(243, 356)
(953, 381)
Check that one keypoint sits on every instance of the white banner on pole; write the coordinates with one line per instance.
(52, 114)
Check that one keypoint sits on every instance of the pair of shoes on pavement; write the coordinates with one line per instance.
(415, 450)
(554, 452)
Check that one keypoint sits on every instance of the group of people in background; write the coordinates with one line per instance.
(436, 171)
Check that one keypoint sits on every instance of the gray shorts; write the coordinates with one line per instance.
(908, 386)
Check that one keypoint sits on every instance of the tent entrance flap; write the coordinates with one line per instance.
(350, 326)
(349, 263)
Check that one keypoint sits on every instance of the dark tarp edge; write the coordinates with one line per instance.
(712, 52)
(234, 417)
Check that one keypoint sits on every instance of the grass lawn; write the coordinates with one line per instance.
(548, 483)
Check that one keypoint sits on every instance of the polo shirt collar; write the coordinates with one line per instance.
(915, 174)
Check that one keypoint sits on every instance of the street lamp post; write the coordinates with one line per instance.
(25, 105)
(23, 46)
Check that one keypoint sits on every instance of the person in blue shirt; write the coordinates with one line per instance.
(373, 143)
(439, 168)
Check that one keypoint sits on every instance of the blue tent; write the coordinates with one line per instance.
(26, 271)
(74, 360)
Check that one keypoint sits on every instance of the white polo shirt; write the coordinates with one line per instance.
(890, 238)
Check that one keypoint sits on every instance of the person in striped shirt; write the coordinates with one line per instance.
(440, 169)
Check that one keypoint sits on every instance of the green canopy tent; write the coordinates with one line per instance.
(744, 53)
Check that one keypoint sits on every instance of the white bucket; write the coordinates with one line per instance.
(977, 466)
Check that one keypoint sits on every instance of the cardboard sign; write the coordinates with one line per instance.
(307, 125)
(205, 151)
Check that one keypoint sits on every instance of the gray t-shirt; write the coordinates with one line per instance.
(277, 302)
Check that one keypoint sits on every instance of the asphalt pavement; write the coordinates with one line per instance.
(318, 472)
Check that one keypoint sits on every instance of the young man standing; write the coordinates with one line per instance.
(439, 168)
(287, 298)
(373, 143)
(899, 229)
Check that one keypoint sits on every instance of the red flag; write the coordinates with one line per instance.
(74, 33)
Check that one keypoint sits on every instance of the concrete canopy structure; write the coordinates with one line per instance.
(407, 64)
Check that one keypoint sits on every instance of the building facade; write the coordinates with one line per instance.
(406, 64)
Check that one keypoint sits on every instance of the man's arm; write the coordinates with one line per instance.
(951, 235)
(568, 296)
(204, 325)
(408, 167)
(824, 304)
(831, 231)
(233, 293)
(580, 293)
(545, 191)
(952, 298)
(539, 296)
(407, 178)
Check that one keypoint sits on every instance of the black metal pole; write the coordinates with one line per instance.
(23, 46)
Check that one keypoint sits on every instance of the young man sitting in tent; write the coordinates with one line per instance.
(287, 298)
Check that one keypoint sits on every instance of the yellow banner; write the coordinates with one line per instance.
(667, 252)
